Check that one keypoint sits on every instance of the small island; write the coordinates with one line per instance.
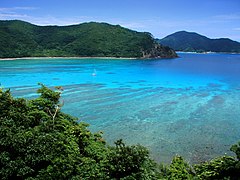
(22, 39)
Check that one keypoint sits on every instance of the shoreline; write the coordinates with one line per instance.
(207, 52)
(62, 57)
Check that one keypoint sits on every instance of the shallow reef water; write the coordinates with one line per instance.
(187, 106)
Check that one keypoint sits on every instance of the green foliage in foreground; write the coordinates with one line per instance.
(22, 39)
(38, 141)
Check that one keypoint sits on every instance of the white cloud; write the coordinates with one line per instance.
(11, 16)
(14, 9)
(236, 29)
(51, 20)
(22, 13)
(130, 25)
(228, 17)
(14, 13)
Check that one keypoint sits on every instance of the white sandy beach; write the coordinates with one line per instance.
(11, 59)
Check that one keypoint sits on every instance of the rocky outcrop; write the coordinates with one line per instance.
(160, 51)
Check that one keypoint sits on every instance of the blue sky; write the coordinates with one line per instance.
(212, 18)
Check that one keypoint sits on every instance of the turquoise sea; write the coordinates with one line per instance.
(188, 106)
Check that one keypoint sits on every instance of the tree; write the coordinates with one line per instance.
(131, 162)
(177, 170)
(223, 167)
(37, 140)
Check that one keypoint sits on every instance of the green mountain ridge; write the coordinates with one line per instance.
(193, 42)
(22, 39)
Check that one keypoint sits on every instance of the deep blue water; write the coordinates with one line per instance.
(187, 106)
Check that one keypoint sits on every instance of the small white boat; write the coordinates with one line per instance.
(94, 72)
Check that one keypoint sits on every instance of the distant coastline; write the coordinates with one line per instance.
(207, 52)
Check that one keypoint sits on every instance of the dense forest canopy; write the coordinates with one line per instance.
(193, 42)
(22, 39)
(39, 141)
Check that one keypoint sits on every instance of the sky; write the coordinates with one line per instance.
(212, 18)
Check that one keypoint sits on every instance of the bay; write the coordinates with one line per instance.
(187, 106)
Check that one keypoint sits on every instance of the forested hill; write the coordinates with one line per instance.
(190, 41)
(22, 39)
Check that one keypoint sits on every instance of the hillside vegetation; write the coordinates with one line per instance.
(22, 39)
(39, 141)
(193, 42)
